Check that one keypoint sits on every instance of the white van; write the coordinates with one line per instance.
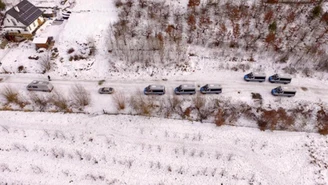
(211, 89)
(40, 86)
(283, 91)
(154, 90)
(185, 89)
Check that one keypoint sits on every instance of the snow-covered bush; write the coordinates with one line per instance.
(120, 100)
(10, 94)
(80, 96)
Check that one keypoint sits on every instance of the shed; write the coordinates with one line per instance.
(42, 42)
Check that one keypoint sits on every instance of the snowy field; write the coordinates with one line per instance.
(58, 149)
(52, 149)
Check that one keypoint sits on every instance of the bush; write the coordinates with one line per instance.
(119, 99)
(256, 96)
(273, 27)
(70, 50)
(80, 96)
(322, 121)
(20, 69)
(199, 101)
(2, 5)
(10, 94)
(316, 11)
(100, 82)
(219, 117)
(60, 102)
(39, 101)
(45, 63)
(118, 3)
(143, 105)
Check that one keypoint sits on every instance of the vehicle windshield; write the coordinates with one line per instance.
(250, 75)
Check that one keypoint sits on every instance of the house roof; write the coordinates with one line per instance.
(25, 12)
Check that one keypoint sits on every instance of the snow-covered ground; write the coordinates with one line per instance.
(53, 148)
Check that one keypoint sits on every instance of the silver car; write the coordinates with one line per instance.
(106, 90)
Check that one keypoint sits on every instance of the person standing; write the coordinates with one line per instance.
(49, 78)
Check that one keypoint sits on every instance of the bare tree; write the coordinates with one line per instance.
(45, 62)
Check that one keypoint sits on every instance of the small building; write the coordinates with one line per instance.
(22, 20)
(42, 42)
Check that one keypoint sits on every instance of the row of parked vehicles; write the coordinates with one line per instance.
(278, 91)
(186, 89)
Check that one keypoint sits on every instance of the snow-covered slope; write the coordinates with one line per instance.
(52, 149)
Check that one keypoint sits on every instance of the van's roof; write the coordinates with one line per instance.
(259, 74)
(188, 86)
(214, 85)
(40, 82)
(156, 86)
(288, 89)
(283, 76)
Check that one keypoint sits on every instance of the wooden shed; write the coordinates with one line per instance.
(42, 42)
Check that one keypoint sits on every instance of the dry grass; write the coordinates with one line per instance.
(275, 119)
(219, 117)
(80, 96)
(10, 94)
(120, 100)
(143, 105)
(61, 102)
(199, 101)
(39, 100)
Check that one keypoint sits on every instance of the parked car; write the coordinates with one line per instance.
(106, 90)
(211, 89)
(251, 77)
(154, 90)
(41, 50)
(278, 79)
(283, 91)
(40, 86)
(185, 89)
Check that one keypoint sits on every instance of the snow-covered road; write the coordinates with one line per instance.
(232, 83)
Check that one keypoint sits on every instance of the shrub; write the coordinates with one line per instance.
(275, 119)
(100, 82)
(118, 3)
(10, 94)
(46, 62)
(39, 101)
(219, 117)
(2, 5)
(273, 27)
(20, 69)
(70, 50)
(60, 102)
(322, 121)
(199, 102)
(143, 105)
(187, 112)
(120, 100)
(324, 129)
(316, 11)
(80, 96)
(256, 96)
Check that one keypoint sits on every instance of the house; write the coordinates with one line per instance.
(22, 20)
